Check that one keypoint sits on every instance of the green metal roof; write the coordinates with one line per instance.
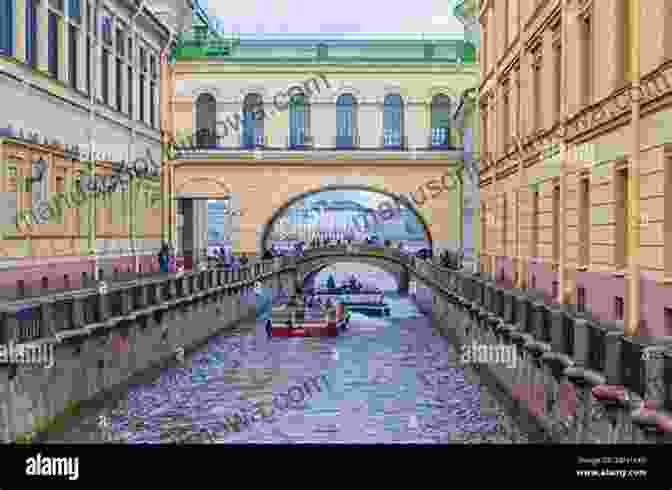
(378, 48)
(203, 41)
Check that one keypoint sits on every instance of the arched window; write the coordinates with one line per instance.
(346, 122)
(206, 114)
(298, 120)
(393, 121)
(253, 121)
(441, 121)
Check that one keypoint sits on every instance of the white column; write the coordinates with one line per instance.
(415, 124)
(323, 123)
(43, 36)
(368, 124)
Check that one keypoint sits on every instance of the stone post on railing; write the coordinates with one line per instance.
(47, 325)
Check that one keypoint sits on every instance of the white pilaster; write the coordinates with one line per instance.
(323, 124)
(43, 37)
(368, 124)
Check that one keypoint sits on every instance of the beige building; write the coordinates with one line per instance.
(577, 191)
(364, 113)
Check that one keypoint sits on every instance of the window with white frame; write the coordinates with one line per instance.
(73, 33)
(142, 70)
(54, 19)
(153, 73)
(106, 25)
(120, 63)
(129, 76)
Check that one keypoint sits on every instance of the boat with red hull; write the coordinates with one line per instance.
(298, 321)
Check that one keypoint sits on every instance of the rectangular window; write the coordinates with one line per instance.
(584, 222)
(7, 17)
(75, 10)
(105, 76)
(89, 54)
(152, 67)
(581, 298)
(557, 95)
(587, 60)
(618, 308)
(60, 190)
(106, 29)
(129, 93)
(143, 60)
(535, 224)
(120, 42)
(538, 123)
(626, 6)
(141, 99)
(73, 57)
(506, 118)
(152, 105)
(556, 224)
(88, 17)
(505, 23)
(31, 32)
(622, 218)
(120, 88)
(53, 44)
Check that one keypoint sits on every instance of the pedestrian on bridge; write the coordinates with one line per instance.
(163, 257)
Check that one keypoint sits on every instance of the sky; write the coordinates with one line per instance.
(344, 16)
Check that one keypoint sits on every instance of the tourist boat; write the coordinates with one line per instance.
(299, 321)
(367, 301)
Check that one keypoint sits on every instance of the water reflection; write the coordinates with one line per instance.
(391, 380)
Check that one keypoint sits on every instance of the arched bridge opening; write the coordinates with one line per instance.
(309, 269)
(367, 211)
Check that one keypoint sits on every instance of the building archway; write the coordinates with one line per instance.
(392, 198)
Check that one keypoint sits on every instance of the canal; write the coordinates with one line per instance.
(390, 380)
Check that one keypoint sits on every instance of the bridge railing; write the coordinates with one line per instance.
(80, 312)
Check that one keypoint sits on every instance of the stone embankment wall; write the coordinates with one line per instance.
(576, 379)
(97, 340)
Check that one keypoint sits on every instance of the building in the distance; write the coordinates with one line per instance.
(79, 80)
(577, 197)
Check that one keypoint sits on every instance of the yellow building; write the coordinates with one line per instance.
(577, 192)
(79, 81)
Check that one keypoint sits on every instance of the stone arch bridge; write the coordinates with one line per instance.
(305, 268)
(308, 270)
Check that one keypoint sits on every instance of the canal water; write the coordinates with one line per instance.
(390, 380)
